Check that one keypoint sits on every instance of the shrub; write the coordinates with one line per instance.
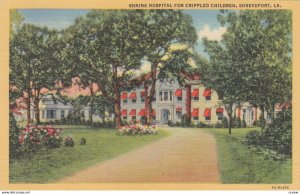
(170, 123)
(276, 137)
(69, 142)
(34, 138)
(53, 142)
(202, 125)
(244, 125)
(218, 125)
(82, 141)
(14, 132)
(237, 122)
(177, 124)
(143, 120)
(225, 122)
(253, 138)
(137, 129)
(184, 121)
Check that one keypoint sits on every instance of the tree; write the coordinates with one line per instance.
(168, 53)
(102, 106)
(78, 105)
(261, 41)
(220, 75)
(15, 21)
(34, 63)
(252, 62)
(107, 46)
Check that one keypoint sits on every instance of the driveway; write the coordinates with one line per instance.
(187, 155)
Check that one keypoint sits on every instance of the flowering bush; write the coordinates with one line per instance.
(138, 129)
(34, 138)
(69, 142)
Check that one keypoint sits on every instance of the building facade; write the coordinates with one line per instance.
(171, 102)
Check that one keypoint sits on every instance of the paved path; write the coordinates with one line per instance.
(188, 155)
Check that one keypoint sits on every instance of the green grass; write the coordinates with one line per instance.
(238, 164)
(102, 144)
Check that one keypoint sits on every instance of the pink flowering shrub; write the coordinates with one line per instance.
(137, 129)
(34, 138)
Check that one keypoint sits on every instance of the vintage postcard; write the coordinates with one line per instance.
(146, 95)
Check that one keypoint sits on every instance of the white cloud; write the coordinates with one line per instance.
(212, 34)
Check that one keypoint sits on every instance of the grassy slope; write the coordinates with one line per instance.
(238, 164)
(101, 145)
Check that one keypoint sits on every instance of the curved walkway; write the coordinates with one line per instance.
(187, 155)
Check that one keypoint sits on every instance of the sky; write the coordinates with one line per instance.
(205, 21)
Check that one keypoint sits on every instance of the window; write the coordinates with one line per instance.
(166, 96)
(196, 118)
(207, 114)
(124, 101)
(220, 116)
(133, 118)
(133, 100)
(171, 96)
(207, 118)
(143, 96)
(51, 114)
(179, 98)
(160, 96)
(62, 114)
(43, 114)
(125, 117)
(207, 97)
(179, 114)
(196, 98)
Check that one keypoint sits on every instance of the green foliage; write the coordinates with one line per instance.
(225, 122)
(203, 125)
(15, 21)
(237, 122)
(82, 141)
(218, 125)
(244, 124)
(238, 164)
(277, 137)
(69, 142)
(185, 121)
(14, 133)
(34, 62)
(250, 48)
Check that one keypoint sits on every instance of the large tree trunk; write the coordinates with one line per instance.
(229, 123)
(36, 106)
(149, 98)
(117, 99)
(117, 107)
(188, 103)
(229, 111)
(28, 106)
(91, 105)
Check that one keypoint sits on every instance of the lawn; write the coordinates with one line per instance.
(102, 144)
(238, 164)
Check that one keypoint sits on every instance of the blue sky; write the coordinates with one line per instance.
(205, 21)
